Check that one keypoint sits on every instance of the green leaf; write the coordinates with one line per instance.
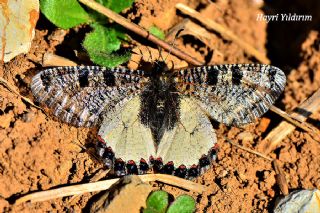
(107, 59)
(157, 32)
(150, 210)
(183, 204)
(103, 39)
(116, 5)
(157, 202)
(64, 13)
(101, 45)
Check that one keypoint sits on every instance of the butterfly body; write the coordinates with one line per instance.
(159, 99)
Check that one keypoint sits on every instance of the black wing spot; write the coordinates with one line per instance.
(109, 78)
(272, 73)
(212, 78)
(83, 78)
(45, 81)
(236, 76)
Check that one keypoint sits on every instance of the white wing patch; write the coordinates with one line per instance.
(190, 139)
(124, 133)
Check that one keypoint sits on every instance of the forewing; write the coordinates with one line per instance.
(233, 94)
(191, 138)
(124, 133)
(80, 94)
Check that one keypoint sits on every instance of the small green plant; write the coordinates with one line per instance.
(105, 39)
(157, 32)
(158, 202)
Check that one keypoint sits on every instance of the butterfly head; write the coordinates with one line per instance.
(154, 69)
(160, 67)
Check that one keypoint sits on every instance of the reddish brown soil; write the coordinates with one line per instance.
(39, 152)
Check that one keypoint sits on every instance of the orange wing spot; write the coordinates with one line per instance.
(100, 139)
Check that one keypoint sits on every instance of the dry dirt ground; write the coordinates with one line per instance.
(37, 152)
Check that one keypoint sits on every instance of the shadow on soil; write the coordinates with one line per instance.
(285, 37)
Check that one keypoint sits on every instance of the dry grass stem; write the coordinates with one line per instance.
(106, 184)
(66, 191)
(98, 176)
(249, 150)
(295, 120)
(191, 28)
(176, 181)
(50, 59)
(11, 89)
(302, 112)
(280, 178)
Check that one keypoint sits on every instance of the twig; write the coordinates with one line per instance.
(50, 59)
(66, 191)
(191, 28)
(249, 150)
(99, 175)
(11, 89)
(295, 121)
(102, 173)
(280, 178)
(303, 111)
(176, 181)
(226, 33)
(139, 30)
(106, 184)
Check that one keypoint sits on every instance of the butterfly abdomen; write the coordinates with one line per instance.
(159, 107)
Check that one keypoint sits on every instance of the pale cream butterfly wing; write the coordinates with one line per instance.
(125, 134)
(192, 137)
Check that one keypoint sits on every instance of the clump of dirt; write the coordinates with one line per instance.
(38, 152)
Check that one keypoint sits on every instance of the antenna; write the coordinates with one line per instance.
(137, 53)
(160, 53)
(150, 55)
(175, 37)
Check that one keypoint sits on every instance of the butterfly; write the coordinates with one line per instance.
(158, 118)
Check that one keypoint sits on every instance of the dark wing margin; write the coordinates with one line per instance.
(78, 95)
(233, 94)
